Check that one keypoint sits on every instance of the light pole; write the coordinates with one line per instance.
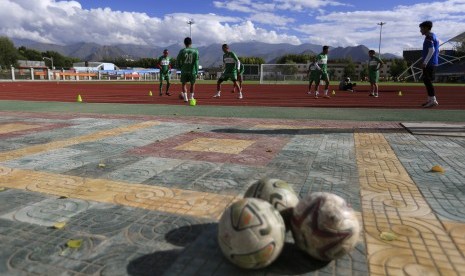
(190, 22)
(380, 30)
(49, 58)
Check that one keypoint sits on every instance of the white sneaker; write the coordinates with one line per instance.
(309, 93)
(376, 96)
(217, 95)
(184, 95)
(431, 104)
(240, 95)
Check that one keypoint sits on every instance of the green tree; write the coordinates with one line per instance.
(8, 53)
(59, 61)
(252, 60)
(151, 62)
(364, 72)
(398, 66)
(349, 69)
(460, 48)
(289, 69)
(29, 54)
(293, 58)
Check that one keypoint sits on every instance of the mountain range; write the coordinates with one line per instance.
(210, 55)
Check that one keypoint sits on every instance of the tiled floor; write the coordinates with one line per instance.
(144, 193)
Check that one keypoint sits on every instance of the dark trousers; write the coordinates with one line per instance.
(428, 78)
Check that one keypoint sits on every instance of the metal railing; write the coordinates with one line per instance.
(23, 74)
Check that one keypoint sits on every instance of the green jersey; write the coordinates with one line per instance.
(188, 61)
(314, 71)
(230, 62)
(164, 63)
(241, 69)
(374, 63)
(322, 61)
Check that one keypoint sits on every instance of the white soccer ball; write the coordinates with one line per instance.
(324, 226)
(251, 233)
(276, 191)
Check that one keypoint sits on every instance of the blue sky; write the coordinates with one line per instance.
(162, 23)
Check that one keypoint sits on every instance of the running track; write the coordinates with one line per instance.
(449, 97)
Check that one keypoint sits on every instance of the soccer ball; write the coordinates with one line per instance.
(192, 102)
(251, 233)
(324, 226)
(275, 191)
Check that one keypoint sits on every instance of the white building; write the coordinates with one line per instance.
(93, 66)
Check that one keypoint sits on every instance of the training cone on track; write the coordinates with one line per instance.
(400, 93)
(150, 93)
(334, 92)
(79, 99)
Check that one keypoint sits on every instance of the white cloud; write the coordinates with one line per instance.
(400, 32)
(301, 5)
(276, 21)
(248, 6)
(270, 19)
(66, 22)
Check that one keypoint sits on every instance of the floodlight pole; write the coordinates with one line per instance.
(380, 31)
(49, 58)
(190, 22)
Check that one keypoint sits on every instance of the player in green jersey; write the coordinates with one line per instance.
(322, 60)
(313, 77)
(240, 77)
(231, 67)
(188, 63)
(374, 63)
(164, 64)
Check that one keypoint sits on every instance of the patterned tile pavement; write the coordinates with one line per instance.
(144, 193)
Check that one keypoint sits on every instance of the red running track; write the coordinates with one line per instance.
(449, 97)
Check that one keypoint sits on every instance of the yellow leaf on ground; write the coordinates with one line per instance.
(388, 236)
(59, 225)
(437, 168)
(74, 243)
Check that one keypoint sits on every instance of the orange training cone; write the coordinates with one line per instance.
(400, 93)
(79, 99)
(150, 93)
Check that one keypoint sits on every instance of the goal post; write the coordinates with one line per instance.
(283, 73)
(251, 71)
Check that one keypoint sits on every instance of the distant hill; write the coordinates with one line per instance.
(209, 55)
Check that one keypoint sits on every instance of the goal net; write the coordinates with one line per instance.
(283, 73)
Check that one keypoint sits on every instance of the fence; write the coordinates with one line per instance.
(252, 72)
(14, 74)
(283, 73)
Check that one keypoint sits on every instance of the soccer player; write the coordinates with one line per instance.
(231, 66)
(430, 59)
(188, 63)
(346, 85)
(322, 60)
(164, 64)
(313, 76)
(374, 63)
(240, 77)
